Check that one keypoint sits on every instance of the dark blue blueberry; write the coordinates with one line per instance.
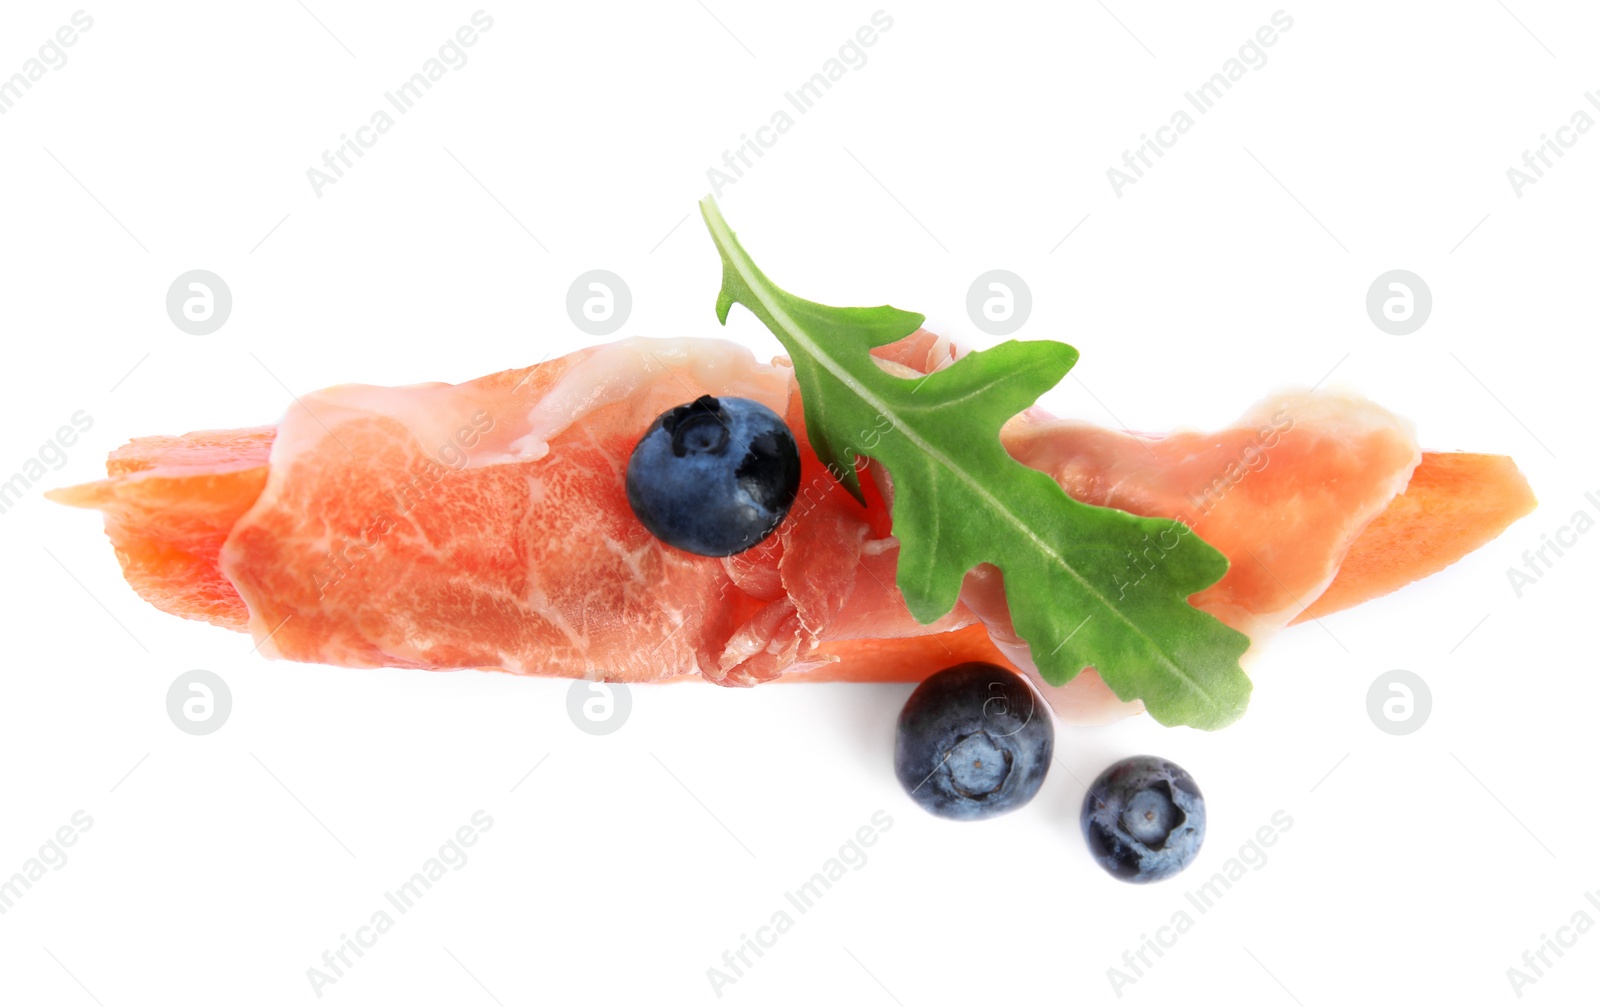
(715, 476)
(1144, 819)
(973, 742)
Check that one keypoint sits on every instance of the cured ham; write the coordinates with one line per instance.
(485, 525)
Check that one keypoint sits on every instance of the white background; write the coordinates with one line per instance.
(219, 868)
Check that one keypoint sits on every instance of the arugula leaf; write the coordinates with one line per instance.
(960, 499)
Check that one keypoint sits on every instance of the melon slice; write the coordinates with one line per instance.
(1454, 503)
(820, 607)
(169, 504)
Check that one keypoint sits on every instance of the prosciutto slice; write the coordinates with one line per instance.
(485, 525)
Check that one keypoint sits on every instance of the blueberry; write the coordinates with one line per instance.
(1144, 819)
(973, 742)
(715, 476)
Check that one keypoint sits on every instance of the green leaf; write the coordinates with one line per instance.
(960, 500)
